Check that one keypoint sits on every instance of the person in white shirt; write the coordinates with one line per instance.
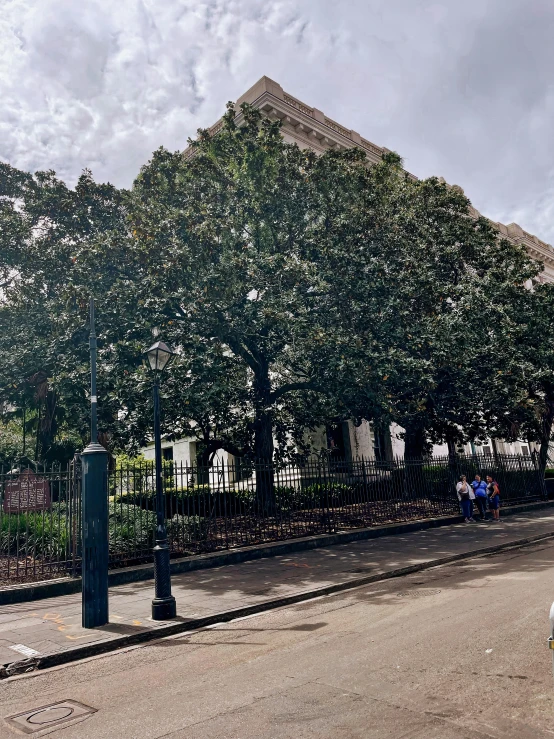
(466, 496)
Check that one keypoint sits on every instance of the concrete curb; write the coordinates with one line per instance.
(170, 629)
(68, 586)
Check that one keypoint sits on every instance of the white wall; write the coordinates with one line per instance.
(184, 451)
(362, 440)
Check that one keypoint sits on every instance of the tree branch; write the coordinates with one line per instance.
(240, 350)
(291, 387)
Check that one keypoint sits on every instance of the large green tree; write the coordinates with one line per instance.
(431, 302)
(298, 288)
(43, 352)
(220, 252)
(532, 417)
(240, 231)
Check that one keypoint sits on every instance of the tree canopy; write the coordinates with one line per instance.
(299, 290)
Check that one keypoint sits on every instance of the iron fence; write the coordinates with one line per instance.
(234, 505)
(40, 522)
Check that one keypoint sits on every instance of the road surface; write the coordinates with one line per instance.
(456, 651)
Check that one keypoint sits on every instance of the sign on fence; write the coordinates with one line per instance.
(28, 492)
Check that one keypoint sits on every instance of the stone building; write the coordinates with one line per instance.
(309, 127)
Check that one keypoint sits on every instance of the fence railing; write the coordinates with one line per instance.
(233, 505)
(40, 523)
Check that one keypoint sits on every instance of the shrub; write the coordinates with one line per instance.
(131, 477)
(44, 535)
(198, 500)
(131, 528)
(186, 530)
(287, 497)
(325, 494)
(12, 527)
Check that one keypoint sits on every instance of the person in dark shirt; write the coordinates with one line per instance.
(493, 491)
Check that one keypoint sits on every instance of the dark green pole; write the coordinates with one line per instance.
(163, 605)
(24, 424)
(94, 511)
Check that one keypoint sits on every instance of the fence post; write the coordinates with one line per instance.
(74, 508)
(364, 477)
(540, 472)
(330, 522)
(94, 460)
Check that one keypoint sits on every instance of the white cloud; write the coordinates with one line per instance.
(461, 90)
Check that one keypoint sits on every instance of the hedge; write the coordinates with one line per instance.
(41, 534)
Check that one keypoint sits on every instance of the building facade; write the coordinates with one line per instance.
(310, 128)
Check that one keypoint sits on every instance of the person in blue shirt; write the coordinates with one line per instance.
(481, 497)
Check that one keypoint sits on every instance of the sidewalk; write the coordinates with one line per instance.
(48, 631)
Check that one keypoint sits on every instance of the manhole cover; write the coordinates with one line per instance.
(48, 717)
(417, 593)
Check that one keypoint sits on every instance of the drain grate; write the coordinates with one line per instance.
(49, 717)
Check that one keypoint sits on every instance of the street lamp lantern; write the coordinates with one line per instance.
(159, 355)
(163, 604)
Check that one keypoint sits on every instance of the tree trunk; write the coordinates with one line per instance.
(263, 438)
(263, 444)
(452, 461)
(414, 448)
(415, 443)
(263, 449)
(203, 459)
(46, 422)
(546, 432)
(37, 445)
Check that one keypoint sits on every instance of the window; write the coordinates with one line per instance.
(525, 450)
(487, 451)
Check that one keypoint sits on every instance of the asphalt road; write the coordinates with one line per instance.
(456, 651)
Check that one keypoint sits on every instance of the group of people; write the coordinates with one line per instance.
(484, 493)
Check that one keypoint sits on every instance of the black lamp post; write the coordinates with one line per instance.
(163, 606)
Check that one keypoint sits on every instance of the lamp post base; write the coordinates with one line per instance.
(163, 604)
(164, 609)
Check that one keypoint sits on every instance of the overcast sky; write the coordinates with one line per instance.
(462, 89)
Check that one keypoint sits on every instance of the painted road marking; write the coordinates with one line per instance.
(27, 651)
(57, 618)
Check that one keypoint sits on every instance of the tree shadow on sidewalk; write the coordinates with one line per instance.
(265, 579)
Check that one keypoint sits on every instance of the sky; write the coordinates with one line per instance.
(462, 90)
